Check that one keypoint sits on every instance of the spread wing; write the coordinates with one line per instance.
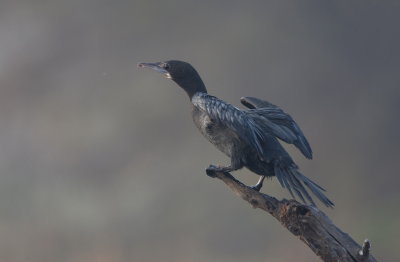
(235, 119)
(278, 123)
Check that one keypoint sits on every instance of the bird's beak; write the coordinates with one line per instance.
(155, 67)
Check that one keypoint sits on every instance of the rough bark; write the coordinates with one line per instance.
(308, 223)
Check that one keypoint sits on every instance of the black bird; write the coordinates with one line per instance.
(249, 137)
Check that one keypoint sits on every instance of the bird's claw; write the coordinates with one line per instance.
(256, 188)
(210, 171)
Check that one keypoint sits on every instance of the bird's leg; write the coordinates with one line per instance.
(235, 165)
(259, 184)
(211, 169)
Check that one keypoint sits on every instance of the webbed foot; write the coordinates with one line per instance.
(256, 187)
(259, 184)
(210, 170)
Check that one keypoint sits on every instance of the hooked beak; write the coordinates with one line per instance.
(156, 67)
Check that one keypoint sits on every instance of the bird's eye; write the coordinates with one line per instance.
(166, 66)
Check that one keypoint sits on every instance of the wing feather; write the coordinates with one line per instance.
(279, 123)
(237, 120)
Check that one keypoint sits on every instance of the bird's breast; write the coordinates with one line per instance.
(215, 131)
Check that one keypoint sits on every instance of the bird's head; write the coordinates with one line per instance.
(181, 72)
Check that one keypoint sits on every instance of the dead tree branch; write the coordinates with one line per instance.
(309, 223)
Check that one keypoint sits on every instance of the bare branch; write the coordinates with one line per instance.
(309, 223)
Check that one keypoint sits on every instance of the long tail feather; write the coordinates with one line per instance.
(293, 180)
(300, 187)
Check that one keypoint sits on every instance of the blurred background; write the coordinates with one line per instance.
(100, 161)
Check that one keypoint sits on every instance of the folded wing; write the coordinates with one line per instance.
(237, 120)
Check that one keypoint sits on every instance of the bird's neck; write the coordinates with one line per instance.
(192, 86)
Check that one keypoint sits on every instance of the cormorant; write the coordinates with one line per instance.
(249, 137)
